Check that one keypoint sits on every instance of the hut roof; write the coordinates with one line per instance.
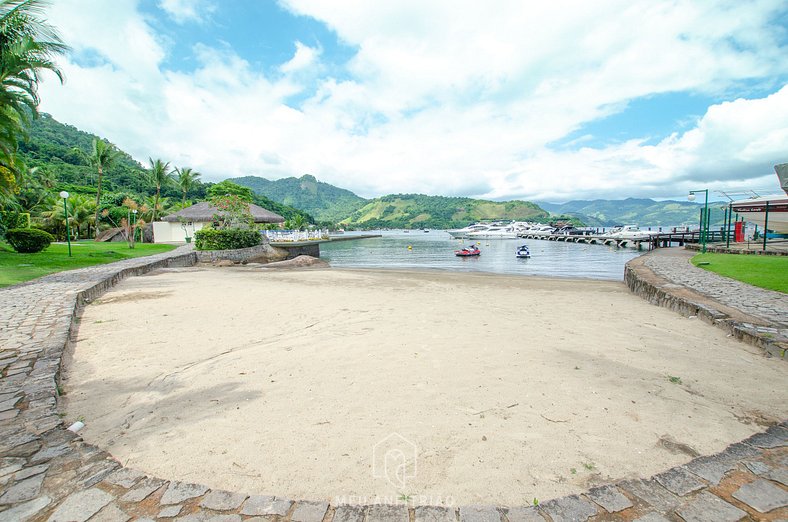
(204, 211)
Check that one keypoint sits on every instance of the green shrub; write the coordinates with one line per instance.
(226, 239)
(28, 240)
(10, 219)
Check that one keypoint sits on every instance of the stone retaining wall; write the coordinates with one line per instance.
(237, 255)
(656, 291)
(48, 473)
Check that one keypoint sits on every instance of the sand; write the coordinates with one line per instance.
(362, 386)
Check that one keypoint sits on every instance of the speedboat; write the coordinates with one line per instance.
(522, 252)
(495, 232)
(461, 233)
(754, 210)
(541, 230)
(470, 251)
(631, 232)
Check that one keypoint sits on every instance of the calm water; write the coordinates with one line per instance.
(435, 250)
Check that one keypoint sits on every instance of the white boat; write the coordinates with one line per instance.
(541, 230)
(753, 210)
(460, 233)
(494, 232)
(631, 232)
(523, 252)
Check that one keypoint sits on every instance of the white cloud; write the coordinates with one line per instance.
(182, 11)
(442, 97)
(304, 57)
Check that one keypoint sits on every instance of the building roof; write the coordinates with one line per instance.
(204, 211)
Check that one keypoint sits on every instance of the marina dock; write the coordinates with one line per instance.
(656, 240)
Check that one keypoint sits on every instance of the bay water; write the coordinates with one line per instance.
(434, 250)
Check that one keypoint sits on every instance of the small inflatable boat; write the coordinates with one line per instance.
(522, 252)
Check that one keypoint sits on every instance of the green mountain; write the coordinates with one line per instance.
(322, 200)
(336, 205)
(420, 211)
(643, 212)
(49, 147)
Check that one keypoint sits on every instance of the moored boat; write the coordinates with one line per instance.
(754, 210)
(523, 252)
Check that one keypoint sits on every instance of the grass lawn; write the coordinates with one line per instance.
(16, 268)
(765, 271)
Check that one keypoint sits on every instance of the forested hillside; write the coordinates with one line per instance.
(56, 157)
(322, 200)
(417, 211)
(638, 211)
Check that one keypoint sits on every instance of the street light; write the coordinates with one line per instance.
(64, 195)
(704, 217)
(133, 226)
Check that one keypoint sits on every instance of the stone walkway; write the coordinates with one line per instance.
(674, 265)
(666, 277)
(48, 473)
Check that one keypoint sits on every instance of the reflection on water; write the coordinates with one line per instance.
(435, 250)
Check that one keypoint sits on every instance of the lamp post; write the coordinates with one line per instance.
(133, 226)
(704, 219)
(64, 195)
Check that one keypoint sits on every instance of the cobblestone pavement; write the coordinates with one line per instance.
(48, 473)
(673, 264)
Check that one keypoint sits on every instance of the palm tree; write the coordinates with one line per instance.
(151, 207)
(102, 155)
(52, 216)
(28, 46)
(159, 176)
(186, 179)
(82, 212)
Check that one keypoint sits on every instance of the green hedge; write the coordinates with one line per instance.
(226, 239)
(10, 219)
(28, 240)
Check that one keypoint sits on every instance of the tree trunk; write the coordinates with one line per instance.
(156, 202)
(98, 196)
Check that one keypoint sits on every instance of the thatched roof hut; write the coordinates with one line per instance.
(204, 212)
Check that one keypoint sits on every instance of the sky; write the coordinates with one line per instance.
(506, 99)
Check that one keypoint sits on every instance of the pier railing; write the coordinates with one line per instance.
(283, 236)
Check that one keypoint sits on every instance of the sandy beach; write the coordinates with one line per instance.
(449, 388)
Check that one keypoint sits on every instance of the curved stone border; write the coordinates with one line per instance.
(643, 282)
(49, 473)
(755, 251)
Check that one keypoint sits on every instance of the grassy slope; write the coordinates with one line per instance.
(764, 271)
(16, 268)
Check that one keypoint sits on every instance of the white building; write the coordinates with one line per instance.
(184, 223)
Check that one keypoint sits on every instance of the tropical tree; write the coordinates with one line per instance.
(159, 171)
(298, 222)
(38, 186)
(152, 207)
(186, 178)
(28, 46)
(82, 211)
(228, 188)
(52, 217)
(102, 155)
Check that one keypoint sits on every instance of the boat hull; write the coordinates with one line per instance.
(754, 211)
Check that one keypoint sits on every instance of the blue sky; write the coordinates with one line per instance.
(558, 101)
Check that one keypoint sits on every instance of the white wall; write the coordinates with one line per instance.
(169, 232)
